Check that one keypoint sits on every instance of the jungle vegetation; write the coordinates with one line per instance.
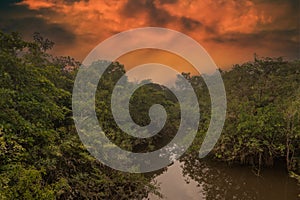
(42, 157)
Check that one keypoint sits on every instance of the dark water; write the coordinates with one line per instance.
(197, 179)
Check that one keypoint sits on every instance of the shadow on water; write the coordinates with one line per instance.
(193, 179)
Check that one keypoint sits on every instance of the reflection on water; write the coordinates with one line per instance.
(175, 186)
(201, 179)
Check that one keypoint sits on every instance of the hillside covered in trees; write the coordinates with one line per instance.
(42, 157)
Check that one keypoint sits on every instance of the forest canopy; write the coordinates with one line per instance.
(42, 157)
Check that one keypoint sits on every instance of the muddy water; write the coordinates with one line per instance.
(194, 179)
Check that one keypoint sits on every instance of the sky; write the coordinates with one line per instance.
(231, 31)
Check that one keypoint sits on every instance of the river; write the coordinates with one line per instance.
(194, 179)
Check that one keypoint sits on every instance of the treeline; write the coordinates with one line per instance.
(263, 120)
(42, 157)
(263, 114)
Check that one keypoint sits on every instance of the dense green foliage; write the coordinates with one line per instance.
(41, 156)
(263, 118)
(263, 114)
(139, 105)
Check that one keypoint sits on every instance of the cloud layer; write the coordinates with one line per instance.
(230, 30)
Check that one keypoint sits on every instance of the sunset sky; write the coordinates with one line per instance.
(230, 30)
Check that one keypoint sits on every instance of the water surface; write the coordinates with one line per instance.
(198, 179)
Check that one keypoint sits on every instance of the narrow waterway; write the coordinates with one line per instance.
(198, 179)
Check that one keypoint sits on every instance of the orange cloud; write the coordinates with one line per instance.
(231, 31)
(35, 5)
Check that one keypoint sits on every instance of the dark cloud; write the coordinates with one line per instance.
(132, 8)
(190, 24)
(4, 4)
(156, 16)
(292, 10)
(74, 1)
(168, 1)
(259, 37)
(27, 26)
(294, 4)
(21, 19)
(276, 40)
